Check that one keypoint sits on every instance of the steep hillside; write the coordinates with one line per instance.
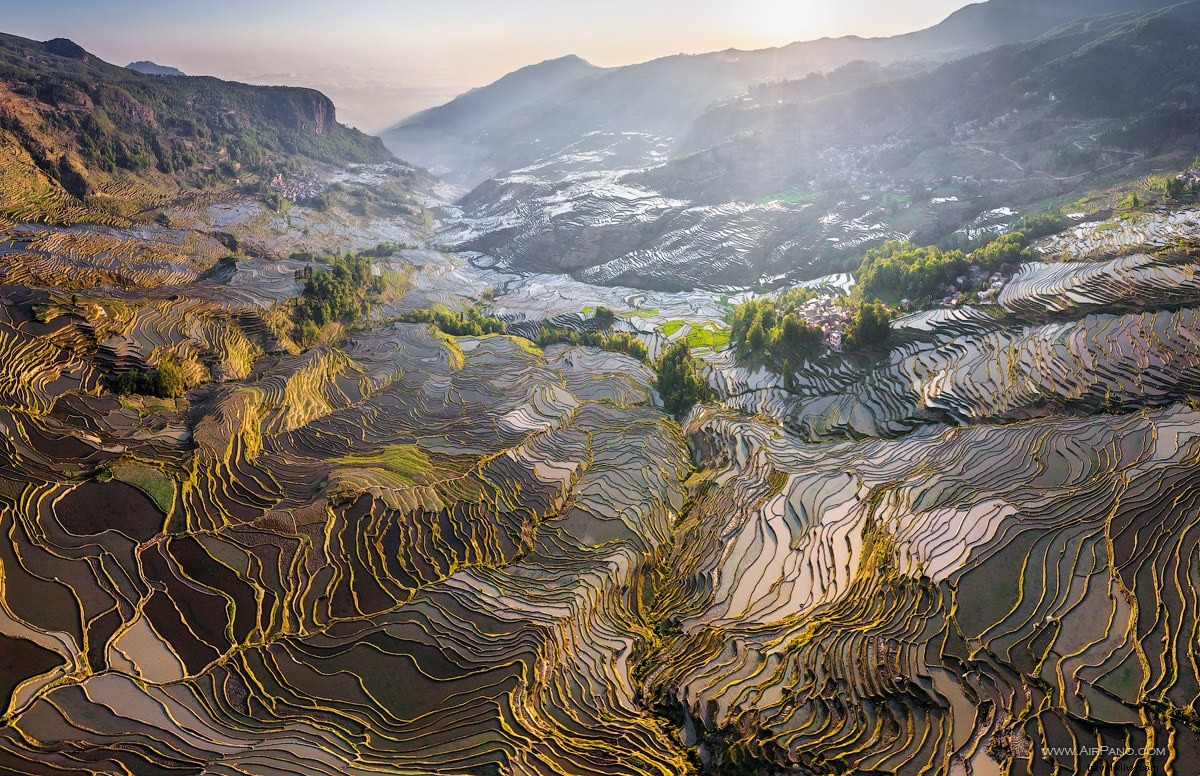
(1119, 67)
(491, 130)
(442, 138)
(795, 178)
(81, 139)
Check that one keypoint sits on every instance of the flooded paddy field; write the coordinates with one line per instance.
(401, 550)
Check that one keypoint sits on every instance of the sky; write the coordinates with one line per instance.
(382, 60)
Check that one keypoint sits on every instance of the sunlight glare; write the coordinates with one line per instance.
(778, 22)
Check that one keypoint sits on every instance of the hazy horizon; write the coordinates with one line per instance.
(382, 61)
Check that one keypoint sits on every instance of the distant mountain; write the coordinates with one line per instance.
(794, 179)
(538, 111)
(150, 68)
(72, 127)
(1109, 67)
(993, 23)
(514, 90)
(445, 138)
(484, 132)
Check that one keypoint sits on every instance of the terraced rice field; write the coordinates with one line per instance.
(1138, 231)
(404, 553)
(309, 565)
(951, 602)
(1121, 282)
(581, 215)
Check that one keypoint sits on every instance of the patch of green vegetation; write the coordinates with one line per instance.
(615, 341)
(923, 274)
(158, 486)
(1180, 190)
(869, 327)
(679, 381)
(471, 322)
(529, 347)
(411, 464)
(670, 327)
(168, 380)
(602, 336)
(771, 325)
(474, 322)
(795, 195)
(119, 308)
(456, 356)
(899, 270)
(338, 294)
(1129, 203)
(701, 335)
(707, 336)
(604, 317)
(406, 461)
(343, 293)
(1033, 227)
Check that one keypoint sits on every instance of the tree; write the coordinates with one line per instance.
(869, 327)
(903, 269)
(1179, 190)
(757, 336)
(341, 293)
(1005, 252)
(798, 334)
(169, 379)
(679, 381)
(789, 377)
(604, 317)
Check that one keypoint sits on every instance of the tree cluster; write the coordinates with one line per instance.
(167, 381)
(343, 292)
(1180, 190)
(923, 273)
(1039, 225)
(604, 318)
(679, 381)
(768, 326)
(615, 341)
(904, 270)
(870, 327)
(471, 322)
(339, 293)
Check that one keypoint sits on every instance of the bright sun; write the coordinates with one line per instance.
(783, 21)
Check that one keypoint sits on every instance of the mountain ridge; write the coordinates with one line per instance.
(72, 127)
(663, 95)
(153, 68)
(795, 179)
